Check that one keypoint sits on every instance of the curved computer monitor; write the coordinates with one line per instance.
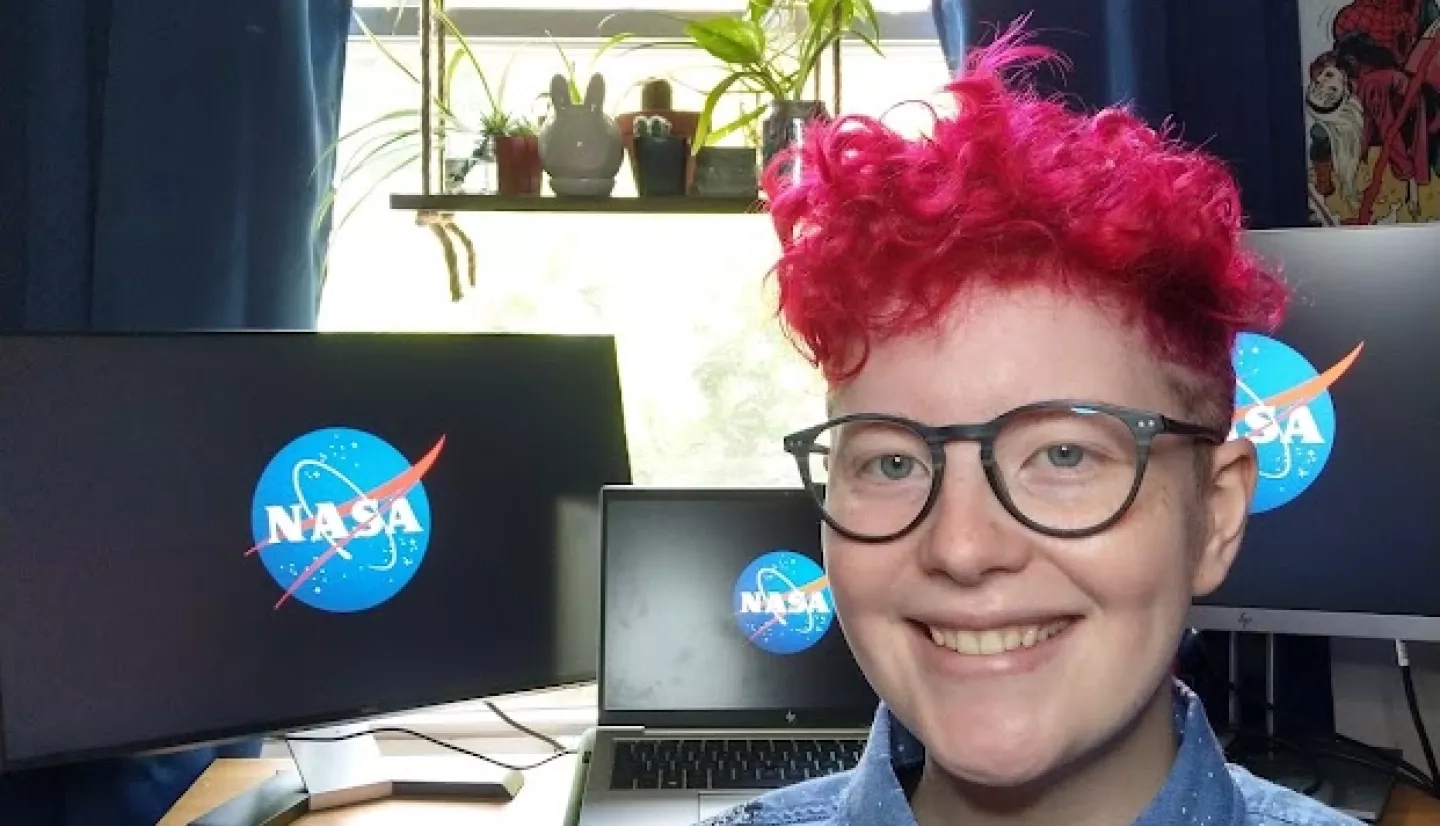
(1343, 403)
(212, 536)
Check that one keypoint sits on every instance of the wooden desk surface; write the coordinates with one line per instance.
(540, 803)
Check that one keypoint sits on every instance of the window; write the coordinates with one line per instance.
(710, 383)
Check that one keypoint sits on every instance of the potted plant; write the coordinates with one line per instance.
(515, 145)
(774, 48)
(660, 157)
(657, 98)
(581, 147)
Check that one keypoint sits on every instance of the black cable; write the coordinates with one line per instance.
(441, 743)
(1395, 766)
(1402, 655)
(544, 738)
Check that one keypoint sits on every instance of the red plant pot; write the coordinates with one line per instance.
(517, 162)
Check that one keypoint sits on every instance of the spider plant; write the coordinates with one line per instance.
(390, 143)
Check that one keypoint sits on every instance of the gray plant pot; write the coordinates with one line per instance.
(580, 146)
(726, 172)
(787, 122)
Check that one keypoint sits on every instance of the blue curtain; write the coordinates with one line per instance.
(1228, 72)
(158, 162)
(159, 170)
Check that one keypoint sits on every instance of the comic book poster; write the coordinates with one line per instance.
(1372, 110)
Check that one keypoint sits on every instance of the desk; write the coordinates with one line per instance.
(540, 803)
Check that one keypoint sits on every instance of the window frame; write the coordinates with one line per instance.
(591, 24)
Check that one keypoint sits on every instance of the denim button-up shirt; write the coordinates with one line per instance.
(1201, 790)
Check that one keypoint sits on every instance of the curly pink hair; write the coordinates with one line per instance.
(881, 233)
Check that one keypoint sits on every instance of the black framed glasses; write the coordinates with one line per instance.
(1066, 469)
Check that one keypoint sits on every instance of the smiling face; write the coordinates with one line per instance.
(1093, 622)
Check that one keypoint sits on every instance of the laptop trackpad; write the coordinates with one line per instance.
(713, 804)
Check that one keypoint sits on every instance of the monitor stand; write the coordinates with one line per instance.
(1341, 784)
(341, 772)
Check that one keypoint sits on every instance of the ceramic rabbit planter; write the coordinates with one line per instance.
(580, 145)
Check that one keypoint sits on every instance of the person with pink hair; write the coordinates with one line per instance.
(1026, 321)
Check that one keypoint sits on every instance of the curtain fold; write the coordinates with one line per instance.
(1228, 73)
(160, 163)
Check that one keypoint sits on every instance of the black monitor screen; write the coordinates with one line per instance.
(1343, 404)
(214, 535)
(717, 608)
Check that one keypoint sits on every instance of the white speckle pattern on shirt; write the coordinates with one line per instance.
(1201, 789)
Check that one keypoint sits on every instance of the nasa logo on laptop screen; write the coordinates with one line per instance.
(782, 602)
(341, 520)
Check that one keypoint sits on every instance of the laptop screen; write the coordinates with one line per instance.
(717, 610)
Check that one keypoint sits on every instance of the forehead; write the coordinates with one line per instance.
(996, 350)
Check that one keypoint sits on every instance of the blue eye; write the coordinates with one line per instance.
(1065, 455)
(895, 467)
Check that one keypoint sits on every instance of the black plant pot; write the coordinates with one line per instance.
(786, 125)
(660, 164)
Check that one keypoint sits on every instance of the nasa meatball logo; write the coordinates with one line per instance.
(1283, 406)
(782, 603)
(341, 520)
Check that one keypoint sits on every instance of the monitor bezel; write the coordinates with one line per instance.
(278, 727)
(1351, 625)
(1344, 624)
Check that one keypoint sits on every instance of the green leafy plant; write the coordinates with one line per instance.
(778, 67)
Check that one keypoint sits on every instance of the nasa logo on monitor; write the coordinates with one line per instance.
(782, 603)
(341, 520)
(1283, 406)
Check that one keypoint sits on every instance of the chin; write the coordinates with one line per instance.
(995, 762)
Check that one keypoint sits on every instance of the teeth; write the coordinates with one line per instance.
(996, 640)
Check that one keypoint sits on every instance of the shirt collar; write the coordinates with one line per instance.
(1199, 788)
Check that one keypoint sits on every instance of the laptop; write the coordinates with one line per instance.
(723, 670)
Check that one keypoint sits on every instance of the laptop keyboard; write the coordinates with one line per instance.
(653, 763)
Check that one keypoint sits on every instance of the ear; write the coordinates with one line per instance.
(595, 92)
(559, 92)
(1225, 495)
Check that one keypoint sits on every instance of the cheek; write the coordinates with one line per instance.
(846, 568)
(862, 582)
(1139, 570)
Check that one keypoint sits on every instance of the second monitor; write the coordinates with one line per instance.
(1343, 407)
(214, 536)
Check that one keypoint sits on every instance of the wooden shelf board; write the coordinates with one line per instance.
(677, 205)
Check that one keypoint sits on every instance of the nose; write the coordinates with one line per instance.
(969, 536)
